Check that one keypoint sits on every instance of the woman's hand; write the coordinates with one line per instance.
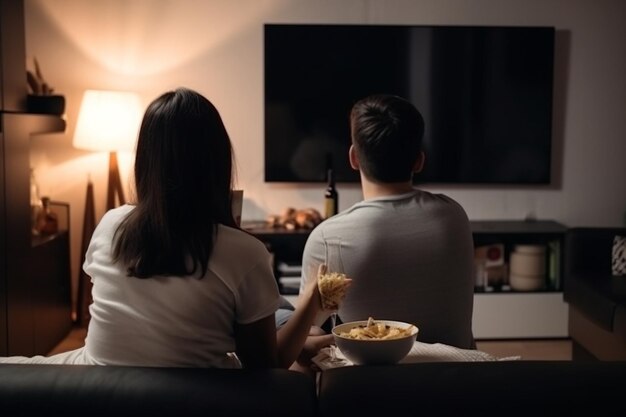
(331, 288)
(296, 333)
(316, 340)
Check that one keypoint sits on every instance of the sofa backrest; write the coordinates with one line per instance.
(72, 390)
(501, 388)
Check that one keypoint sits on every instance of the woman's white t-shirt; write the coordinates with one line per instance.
(173, 321)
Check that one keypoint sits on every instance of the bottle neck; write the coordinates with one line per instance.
(331, 206)
(331, 178)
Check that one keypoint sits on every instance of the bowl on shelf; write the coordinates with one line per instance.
(376, 350)
(40, 104)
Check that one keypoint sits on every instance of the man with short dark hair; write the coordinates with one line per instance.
(409, 252)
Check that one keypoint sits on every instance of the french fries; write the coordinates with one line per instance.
(374, 330)
(332, 287)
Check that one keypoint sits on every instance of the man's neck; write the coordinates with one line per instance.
(383, 189)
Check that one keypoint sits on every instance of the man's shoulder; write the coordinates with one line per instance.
(440, 200)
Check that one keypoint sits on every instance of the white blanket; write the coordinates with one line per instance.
(420, 352)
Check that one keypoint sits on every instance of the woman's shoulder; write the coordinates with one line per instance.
(237, 252)
(112, 219)
(231, 238)
(117, 213)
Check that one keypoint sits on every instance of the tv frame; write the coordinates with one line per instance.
(547, 175)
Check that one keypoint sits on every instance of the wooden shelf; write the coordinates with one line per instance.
(43, 240)
(517, 227)
(45, 123)
(35, 277)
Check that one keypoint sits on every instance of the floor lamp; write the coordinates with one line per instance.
(107, 121)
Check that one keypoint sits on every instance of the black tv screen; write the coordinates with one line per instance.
(485, 94)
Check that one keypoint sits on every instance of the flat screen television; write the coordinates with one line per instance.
(485, 94)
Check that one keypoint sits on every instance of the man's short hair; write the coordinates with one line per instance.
(387, 133)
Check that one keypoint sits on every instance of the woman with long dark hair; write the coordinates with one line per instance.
(175, 281)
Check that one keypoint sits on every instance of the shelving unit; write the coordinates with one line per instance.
(35, 277)
(285, 245)
(498, 314)
(522, 315)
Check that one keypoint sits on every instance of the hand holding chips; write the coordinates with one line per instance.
(332, 287)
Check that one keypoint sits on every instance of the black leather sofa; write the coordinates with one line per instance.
(596, 299)
(511, 388)
(504, 388)
(112, 391)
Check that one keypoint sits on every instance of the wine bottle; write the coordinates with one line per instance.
(331, 198)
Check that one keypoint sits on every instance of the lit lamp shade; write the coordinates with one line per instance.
(108, 121)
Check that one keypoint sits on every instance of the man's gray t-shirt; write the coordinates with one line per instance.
(411, 259)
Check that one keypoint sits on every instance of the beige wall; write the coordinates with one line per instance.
(215, 47)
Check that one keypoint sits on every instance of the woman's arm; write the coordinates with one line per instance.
(291, 337)
(256, 343)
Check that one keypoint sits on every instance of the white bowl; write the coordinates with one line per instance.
(376, 351)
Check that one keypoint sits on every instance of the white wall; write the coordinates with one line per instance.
(215, 47)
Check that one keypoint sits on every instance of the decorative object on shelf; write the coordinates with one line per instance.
(491, 270)
(295, 219)
(528, 267)
(47, 220)
(41, 100)
(109, 121)
(618, 259)
(554, 264)
(35, 203)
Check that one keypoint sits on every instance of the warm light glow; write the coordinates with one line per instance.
(139, 37)
(108, 121)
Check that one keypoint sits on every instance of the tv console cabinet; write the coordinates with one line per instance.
(499, 314)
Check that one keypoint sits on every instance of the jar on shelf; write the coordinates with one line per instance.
(528, 268)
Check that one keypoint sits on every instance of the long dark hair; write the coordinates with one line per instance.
(183, 181)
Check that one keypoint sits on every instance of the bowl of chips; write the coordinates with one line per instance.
(375, 342)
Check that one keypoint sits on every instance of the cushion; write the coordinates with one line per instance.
(619, 255)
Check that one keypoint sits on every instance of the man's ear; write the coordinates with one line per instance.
(354, 160)
(419, 162)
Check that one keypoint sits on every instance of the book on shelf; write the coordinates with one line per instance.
(289, 285)
(287, 269)
(554, 265)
